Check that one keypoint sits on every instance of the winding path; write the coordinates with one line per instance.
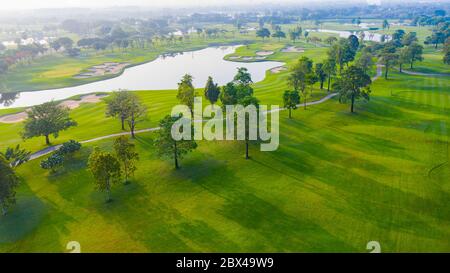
(56, 147)
(414, 73)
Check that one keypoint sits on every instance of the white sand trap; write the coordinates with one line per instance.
(234, 57)
(278, 69)
(260, 58)
(14, 118)
(264, 53)
(247, 58)
(293, 49)
(71, 104)
(102, 69)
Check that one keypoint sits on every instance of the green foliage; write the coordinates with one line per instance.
(118, 105)
(127, 156)
(69, 147)
(53, 162)
(106, 170)
(353, 85)
(243, 76)
(365, 61)
(320, 73)
(47, 119)
(291, 99)
(263, 33)
(186, 92)
(16, 156)
(166, 146)
(8, 183)
(212, 91)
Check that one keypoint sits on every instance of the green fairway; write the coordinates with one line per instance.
(337, 181)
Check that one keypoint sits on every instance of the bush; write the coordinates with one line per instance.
(52, 162)
(69, 147)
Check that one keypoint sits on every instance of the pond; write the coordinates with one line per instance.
(368, 36)
(161, 74)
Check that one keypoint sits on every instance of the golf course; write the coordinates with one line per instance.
(338, 180)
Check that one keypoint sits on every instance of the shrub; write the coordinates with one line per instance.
(52, 162)
(69, 147)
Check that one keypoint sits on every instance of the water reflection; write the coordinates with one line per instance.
(7, 99)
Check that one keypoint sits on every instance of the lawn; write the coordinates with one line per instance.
(337, 181)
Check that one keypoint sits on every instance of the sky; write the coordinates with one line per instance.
(34, 4)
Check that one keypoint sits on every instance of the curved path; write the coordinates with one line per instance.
(56, 147)
(414, 73)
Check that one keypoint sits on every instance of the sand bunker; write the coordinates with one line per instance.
(264, 53)
(278, 69)
(234, 57)
(293, 49)
(101, 70)
(71, 104)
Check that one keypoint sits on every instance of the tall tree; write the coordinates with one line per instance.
(320, 73)
(8, 183)
(168, 147)
(47, 119)
(300, 74)
(329, 67)
(365, 61)
(212, 91)
(415, 53)
(246, 101)
(118, 105)
(186, 92)
(291, 99)
(137, 113)
(403, 57)
(279, 34)
(388, 58)
(446, 58)
(385, 24)
(127, 156)
(353, 85)
(243, 76)
(106, 170)
(263, 33)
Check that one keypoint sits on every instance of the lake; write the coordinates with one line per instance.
(161, 74)
(369, 36)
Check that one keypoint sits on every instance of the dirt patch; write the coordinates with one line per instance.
(264, 53)
(71, 104)
(102, 69)
(278, 69)
(293, 49)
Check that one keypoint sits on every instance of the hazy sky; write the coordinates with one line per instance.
(33, 4)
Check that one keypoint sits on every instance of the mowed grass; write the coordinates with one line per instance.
(337, 181)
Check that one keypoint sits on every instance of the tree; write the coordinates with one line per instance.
(263, 33)
(8, 183)
(330, 40)
(388, 58)
(365, 61)
(118, 105)
(385, 24)
(279, 34)
(300, 76)
(127, 156)
(329, 67)
(65, 42)
(243, 76)
(415, 53)
(438, 37)
(409, 38)
(228, 96)
(397, 37)
(291, 99)
(403, 57)
(353, 42)
(246, 101)
(446, 58)
(353, 85)
(137, 113)
(106, 170)
(294, 35)
(47, 119)
(15, 156)
(320, 73)
(168, 147)
(212, 91)
(186, 92)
